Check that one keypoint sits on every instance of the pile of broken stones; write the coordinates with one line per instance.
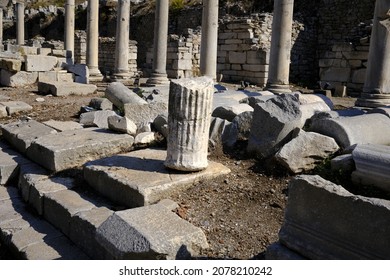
(297, 131)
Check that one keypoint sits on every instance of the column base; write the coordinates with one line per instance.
(373, 100)
(158, 79)
(95, 75)
(121, 77)
(276, 88)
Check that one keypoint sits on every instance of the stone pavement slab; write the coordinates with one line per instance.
(140, 178)
(16, 106)
(63, 125)
(150, 232)
(69, 149)
(66, 88)
(20, 134)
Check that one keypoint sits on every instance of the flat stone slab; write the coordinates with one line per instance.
(16, 106)
(325, 221)
(66, 88)
(122, 178)
(69, 149)
(150, 232)
(20, 134)
(63, 125)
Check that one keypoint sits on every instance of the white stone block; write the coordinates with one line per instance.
(40, 63)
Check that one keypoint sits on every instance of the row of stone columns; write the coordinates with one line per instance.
(376, 90)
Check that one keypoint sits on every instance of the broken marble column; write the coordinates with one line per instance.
(20, 23)
(159, 74)
(209, 42)
(376, 90)
(93, 40)
(189, 116)
(279, 65)
(372, 166)
(121, 71)
(69, 27)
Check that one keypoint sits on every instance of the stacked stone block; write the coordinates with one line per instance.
(183, 55)
(243, 50)
(106, 53)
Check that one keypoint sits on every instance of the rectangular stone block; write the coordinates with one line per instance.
(359, 76)
(29, 175)
(43, 187)
(325, 221)
(182, 64)
(40, 63)
(229, 47)
(16, 106)
(59, 207)
(69, 149)
(44, 51)
(258, 57)
(10, 162)
(237, 57)
(11, 65)
(66, 88)
(20, 134)
(227, 35)
(83, 227)
(3, 111)
(18, 79)
(26, 50)
(363, 55)
(126, 183)
(255, 67)
(335, 74)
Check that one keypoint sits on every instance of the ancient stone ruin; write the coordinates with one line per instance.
(101, 187)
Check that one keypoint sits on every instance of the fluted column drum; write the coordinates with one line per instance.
(189, 115)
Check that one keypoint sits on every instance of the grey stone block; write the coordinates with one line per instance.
(10, 162)
(238, 130)
(372, 166)
(101, 104)
(121, 178)
(29, 175)
(305, 151)
(230, 112)
(16, 106)
(273, 123)
(40, 63)
(324, 221)
(63, 125)
(150, 232)
(83, 229)
(69, 149)
(66, 88)
(355, 130)
(122, 124)
(101, 118)
(40, 188)
(142, 114)
(21, 134)
(59, 208)
(18, 79)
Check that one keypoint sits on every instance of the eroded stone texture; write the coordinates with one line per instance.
(189, 116)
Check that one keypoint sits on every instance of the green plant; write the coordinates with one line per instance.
(177, 5)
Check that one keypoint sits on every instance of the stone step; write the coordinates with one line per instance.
(140, 178)
(10, 162)
(68, 149)
(28, 236)
(68, 205)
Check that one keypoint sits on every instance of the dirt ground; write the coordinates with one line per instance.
(240, 213)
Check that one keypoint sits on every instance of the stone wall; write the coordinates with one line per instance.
(343, 43)
(106, 53)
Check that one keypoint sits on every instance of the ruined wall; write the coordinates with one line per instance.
(343, 43)
(106, 53)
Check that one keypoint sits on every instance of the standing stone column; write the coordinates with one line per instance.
(189, 115)
(20, 23)
(279, 64)
(209, 42)
(93, 41)
(376, 90)
(121, 71)
(69, 28)
(159, 73)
